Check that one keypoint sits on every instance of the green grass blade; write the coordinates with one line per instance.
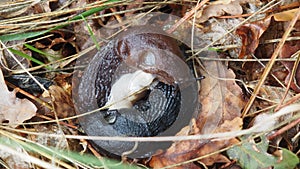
(91, 33)
(20, 36)
(39, 51)
(16, 52)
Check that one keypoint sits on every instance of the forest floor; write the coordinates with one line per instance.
(244, 56)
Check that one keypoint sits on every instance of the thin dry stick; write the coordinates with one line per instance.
(271, 63)
(96, 154)
(19, 90)
(284, 129)
(61, 122)
(291, 101)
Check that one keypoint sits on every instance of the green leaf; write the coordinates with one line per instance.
(214, 49)
(252, 155)
(289, 160)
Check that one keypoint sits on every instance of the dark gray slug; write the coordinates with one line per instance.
(148, 89)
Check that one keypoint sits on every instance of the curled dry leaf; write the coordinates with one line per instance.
(60, 45)
(13, 109)
(250, 34)
(221, 106)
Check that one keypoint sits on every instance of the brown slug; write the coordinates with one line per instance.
(148, 89)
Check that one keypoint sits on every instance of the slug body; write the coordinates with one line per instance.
(146, 87)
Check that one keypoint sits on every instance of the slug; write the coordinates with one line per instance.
(147, 89)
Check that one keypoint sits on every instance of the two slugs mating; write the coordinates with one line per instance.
(147, 88)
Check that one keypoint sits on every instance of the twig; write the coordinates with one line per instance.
(291, 101)
(284, 129)
(19, 90)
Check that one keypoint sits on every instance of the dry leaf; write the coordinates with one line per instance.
(215, 31)
(9, 61)
(261, 31)
(254, 70)
(232, 8)
(186, 150)
(276, 30)
(13, 109)
(285, 15)
(251, 34)
(221, 99)
(210, 147)
(62, 102)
